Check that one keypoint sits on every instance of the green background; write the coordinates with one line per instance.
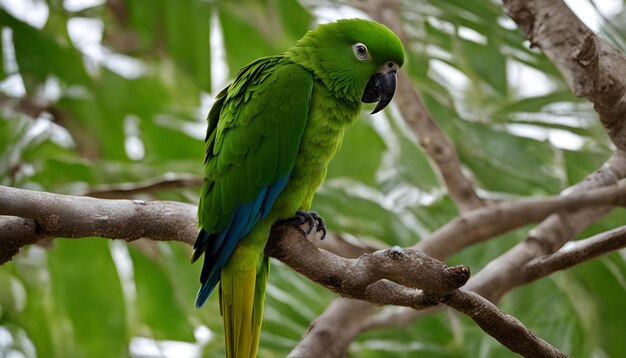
(127, 108)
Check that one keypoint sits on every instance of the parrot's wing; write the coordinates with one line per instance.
(254, 133)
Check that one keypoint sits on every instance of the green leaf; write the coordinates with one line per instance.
(413, 165)
(255, 29)
(579, 164)
(603, 281)
(353, 212)
(533, 104)
(187, 34)
(484, 63)
(180, 28)
(87, 290)
(507, 163)
(242, 40)
(292, 302)
(40, 54)
(39, 314)
(157, 304)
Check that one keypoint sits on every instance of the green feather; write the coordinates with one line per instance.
(246, 141)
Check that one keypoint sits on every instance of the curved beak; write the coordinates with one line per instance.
(381, 87)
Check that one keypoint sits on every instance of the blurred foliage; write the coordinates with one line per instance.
(116, 93)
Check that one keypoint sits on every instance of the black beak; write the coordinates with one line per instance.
(380, 88)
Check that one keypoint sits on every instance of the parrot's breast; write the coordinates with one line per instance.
(323, 134)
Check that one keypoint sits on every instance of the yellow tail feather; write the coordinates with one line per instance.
(242, 292)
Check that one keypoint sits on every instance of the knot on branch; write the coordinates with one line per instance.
(407, 267)
(395, 253)
(586, 55)
(458, 274)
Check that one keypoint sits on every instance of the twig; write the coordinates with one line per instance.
(125, 191)
(581, 251)
(24, 105)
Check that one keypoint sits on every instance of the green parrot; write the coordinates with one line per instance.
(271, 134)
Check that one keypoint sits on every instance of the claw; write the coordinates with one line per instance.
(310, 217)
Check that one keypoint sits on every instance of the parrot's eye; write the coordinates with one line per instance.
(360, 51)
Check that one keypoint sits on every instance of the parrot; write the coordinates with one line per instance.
(270, 137)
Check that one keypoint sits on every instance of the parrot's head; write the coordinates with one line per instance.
(356, 59)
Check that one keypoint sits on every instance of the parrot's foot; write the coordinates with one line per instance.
(310, 217)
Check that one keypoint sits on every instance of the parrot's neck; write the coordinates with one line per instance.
(342, 85)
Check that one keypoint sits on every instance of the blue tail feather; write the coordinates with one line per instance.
(221, 245)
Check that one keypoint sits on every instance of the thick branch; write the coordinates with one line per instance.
(591, 67)
(56, 215)
(368, 278)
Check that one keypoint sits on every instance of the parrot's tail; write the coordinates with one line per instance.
(242, 298)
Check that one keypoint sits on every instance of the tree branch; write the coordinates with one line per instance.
(392, 276)
(591, 67)
(389, 277)
(359, 278)
(488, 222)
(56, 215)
(579, 252)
